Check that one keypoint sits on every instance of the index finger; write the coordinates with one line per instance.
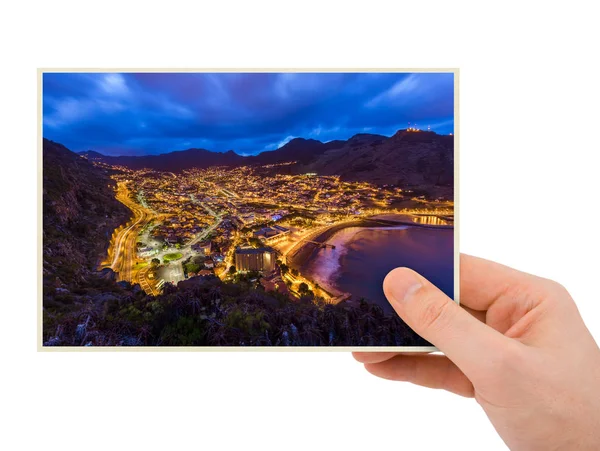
(483, 282)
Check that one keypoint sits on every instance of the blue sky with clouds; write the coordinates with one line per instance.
(150, 113)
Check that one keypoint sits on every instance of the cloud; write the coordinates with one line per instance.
(405, 86)
(113, 84)
(148, 113)
(284, 141)
(66, 111)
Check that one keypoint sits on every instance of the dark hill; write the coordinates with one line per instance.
(208, 312)
(79, 214)
(365, 138)
(298, 149)
(409, 159)
(173, 161)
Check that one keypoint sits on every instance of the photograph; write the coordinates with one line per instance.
(268, 225)
(246, 209)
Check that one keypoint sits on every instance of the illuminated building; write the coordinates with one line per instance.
(249, 259)
(203, 247)
(147, 251)
(271, 234)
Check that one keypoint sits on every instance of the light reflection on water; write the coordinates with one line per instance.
(431, 220)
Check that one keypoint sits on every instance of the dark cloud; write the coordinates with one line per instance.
(146, 113)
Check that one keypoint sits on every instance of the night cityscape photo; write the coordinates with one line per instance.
(242, 209)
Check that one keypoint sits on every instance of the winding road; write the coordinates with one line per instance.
(122, 254)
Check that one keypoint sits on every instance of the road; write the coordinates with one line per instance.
(124, 258)
(147, 285)
(213, 226)
(122, 254)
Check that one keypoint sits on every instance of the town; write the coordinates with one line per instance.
(254, 222)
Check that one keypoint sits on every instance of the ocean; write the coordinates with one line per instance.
(364, 255)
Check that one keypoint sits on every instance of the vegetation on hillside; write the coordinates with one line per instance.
(79, 214)
(208, 312)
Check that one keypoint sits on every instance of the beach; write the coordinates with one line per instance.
(363, 255)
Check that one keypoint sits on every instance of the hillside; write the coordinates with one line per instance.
(172, 161)
(204, 311)
(420, 160)
(79, 214)
(407, 159)
(298, 149)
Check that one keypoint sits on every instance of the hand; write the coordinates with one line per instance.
(518, 346)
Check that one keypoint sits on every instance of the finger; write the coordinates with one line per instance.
(376, 357)
(475, 313)
(373, 357)
(430, 313)
(433, 371)
(483, 283)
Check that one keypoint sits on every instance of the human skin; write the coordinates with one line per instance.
(517, 344)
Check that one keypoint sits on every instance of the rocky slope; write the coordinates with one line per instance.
(79, 214)
(407, 159)
(204, 311)
(298, 149)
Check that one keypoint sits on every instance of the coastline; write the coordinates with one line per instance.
(303, 255)
(304, 258)
(325, 269)
(439, 222)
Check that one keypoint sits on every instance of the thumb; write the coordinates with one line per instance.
(466, 341)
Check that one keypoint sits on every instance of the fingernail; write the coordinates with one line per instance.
(400, 284)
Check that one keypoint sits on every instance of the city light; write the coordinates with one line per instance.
(225, 221)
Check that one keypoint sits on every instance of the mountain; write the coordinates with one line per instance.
(298, 149)
(171, 162)
(305, 151)
(79, 214)
(410, 159)
(364, 139)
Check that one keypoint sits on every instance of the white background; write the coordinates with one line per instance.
(529, 102)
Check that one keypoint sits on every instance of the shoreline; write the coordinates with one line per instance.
(326, 275)
(305, 255)
(408, 220)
